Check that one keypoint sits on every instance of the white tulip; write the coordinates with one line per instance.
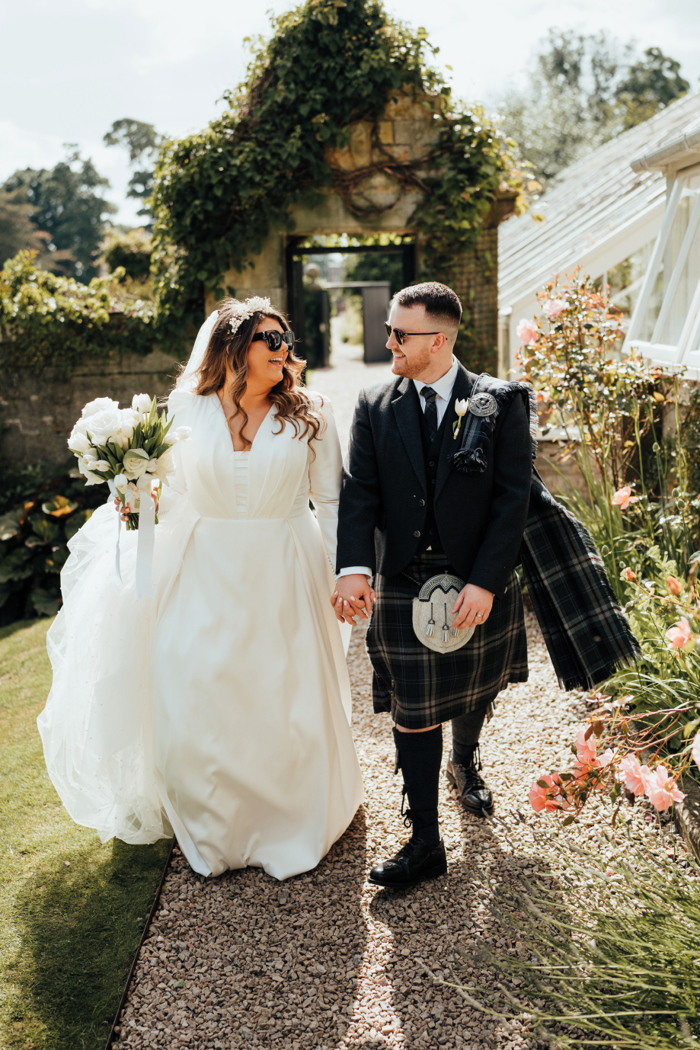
(165, 466)
(121, 483)
(102, 465)
(141, 403)
(180, 433)
(462, 406)
(78, 441)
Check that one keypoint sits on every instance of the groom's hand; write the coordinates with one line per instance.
(353, 596)
(472, 607)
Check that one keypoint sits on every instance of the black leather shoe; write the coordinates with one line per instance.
(414, 862)
(474, 793)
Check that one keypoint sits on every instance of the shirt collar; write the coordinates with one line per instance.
(444, 385)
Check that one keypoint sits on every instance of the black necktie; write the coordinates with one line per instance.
(430, 410)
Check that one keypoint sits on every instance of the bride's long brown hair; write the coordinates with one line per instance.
(293, 402)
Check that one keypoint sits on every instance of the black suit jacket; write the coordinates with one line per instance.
(480, 517)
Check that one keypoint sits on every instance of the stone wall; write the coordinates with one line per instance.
(37, 413)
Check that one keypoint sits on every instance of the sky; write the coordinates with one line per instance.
(69, 70)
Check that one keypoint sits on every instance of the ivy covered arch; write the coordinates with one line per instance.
(342, 126)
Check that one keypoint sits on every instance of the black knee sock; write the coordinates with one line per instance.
(420, 757)
(466, 730)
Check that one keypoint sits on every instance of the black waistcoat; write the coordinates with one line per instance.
(430, 536)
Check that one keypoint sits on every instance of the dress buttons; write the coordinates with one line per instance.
(417, 533)
(421, 502)
(432, 463)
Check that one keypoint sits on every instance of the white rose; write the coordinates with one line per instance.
(141, 403)
(165, 466)
(135, 462)
(103, 425)
(78, 441)
(100, 404)
(180, 433)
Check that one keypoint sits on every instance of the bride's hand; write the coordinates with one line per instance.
(124, 511)
(353, 596)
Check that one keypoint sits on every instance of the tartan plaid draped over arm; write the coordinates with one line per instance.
(584, 627)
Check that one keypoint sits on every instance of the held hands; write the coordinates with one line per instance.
(472, 607)
(353, 596)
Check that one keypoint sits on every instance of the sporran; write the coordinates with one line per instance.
(433, 618)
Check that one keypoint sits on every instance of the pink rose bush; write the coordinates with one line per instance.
(682, 636)
(612, 769)
(551, 308)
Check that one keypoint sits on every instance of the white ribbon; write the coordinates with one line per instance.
(117, 552)
(146, 538)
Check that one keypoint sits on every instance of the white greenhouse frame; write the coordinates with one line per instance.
(673, 264)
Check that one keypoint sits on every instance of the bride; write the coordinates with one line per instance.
(219, 709)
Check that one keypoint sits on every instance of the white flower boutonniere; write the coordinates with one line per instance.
(461, 408)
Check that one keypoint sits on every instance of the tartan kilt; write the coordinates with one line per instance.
(421, 687)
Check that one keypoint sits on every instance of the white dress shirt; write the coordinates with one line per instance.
(443, 388)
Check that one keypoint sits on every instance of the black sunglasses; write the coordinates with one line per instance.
(274, 339)
(400, 336)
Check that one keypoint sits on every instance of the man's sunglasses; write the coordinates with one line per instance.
(274, 339)
(400, 336)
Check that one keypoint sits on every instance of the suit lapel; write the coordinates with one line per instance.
(406, 409)
(463, 386)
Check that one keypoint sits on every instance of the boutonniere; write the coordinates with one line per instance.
(461, 408)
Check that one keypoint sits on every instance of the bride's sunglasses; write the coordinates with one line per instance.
(274, 339)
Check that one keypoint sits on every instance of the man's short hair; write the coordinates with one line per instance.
(439, 301)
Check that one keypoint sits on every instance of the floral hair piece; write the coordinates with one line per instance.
(254, 305)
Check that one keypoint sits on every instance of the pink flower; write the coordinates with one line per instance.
(623, 497)
(633, 775)
(527, 332)
(583, 769)
(585, 749)
(628, 574)
(662, 790)
(675, 586)
(606, 758)
(545, 797)
(553, 307)
(695, 752)
(680, 635)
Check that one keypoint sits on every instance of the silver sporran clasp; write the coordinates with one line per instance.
(432, 616)
(483, 404)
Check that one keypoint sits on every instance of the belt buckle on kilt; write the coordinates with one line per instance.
(432, 618)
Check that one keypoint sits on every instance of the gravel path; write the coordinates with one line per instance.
(325, 961)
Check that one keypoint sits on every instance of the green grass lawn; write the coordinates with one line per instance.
(72, 909)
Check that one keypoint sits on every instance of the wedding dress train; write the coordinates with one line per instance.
(220, 708)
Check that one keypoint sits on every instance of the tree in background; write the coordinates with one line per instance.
(582, 91)
(65, 203)
(142, 142)
(17, 231)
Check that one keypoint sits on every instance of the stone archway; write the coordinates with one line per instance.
(370, 196)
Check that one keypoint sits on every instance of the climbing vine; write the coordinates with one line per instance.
(48, 321)
(327, 64)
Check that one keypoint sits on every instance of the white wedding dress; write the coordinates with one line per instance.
(220, 708)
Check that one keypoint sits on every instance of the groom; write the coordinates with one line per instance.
(406, 514)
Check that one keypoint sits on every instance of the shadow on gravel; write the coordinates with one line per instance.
(444, 924)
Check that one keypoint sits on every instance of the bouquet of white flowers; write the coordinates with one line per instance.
(128, 449)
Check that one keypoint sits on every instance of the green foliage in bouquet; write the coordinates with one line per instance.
(48, 321)
(39, 512)
(608, 958)
(217, 193)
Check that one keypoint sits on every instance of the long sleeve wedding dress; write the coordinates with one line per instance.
(220, 708)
